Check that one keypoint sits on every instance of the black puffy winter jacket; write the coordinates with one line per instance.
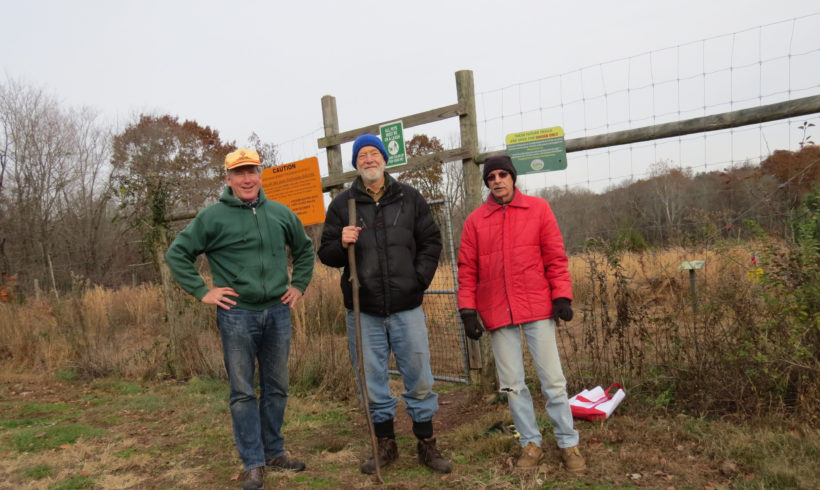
(397, 251)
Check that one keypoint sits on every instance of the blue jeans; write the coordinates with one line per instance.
(405, 333)
(246, 337)
(509, 363)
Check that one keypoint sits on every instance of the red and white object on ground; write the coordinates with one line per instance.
(597, 403)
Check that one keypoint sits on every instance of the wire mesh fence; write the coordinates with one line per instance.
(448, 354)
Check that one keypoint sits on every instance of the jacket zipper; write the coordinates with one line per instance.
(261, 249)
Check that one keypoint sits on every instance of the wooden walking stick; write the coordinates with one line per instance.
(354, 279)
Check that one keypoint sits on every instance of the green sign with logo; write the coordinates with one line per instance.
(538, 150)
(393, 139)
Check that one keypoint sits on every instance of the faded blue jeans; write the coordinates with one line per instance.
(509, 363)
(405, 333)
(248, 336)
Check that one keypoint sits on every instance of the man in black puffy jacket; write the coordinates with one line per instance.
(397, 249)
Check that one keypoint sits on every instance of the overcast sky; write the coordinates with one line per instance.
(263, 66)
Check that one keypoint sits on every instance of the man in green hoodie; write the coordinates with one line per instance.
(244, 237)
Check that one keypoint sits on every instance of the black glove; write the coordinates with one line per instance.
(472, 328)
(561, 309)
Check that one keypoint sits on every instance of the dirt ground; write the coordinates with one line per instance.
(178, 435)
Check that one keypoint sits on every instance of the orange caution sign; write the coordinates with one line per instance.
(298, 186)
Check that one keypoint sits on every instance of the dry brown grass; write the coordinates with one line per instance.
(634, 324)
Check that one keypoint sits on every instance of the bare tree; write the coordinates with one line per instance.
(268, 152)
(37, 151)
(86, 207)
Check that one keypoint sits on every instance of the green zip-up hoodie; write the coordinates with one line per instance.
(246, 250)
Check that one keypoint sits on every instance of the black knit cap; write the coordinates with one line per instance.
(499, 162)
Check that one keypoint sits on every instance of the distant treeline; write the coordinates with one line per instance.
(676, 208)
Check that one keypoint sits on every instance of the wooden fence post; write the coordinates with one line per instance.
(172, 306)
(479, 350)
(334, 153)
(469, 138)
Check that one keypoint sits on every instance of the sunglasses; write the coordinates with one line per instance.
(501, 175)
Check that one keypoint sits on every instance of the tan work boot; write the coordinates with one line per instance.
(530, 456)
(388, 452)
(430, 456)
(573, 459)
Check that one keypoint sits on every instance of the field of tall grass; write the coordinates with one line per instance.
(739, 346)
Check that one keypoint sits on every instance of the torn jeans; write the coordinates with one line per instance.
(509, 363)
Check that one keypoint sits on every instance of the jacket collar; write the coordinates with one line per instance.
(490, 206)
(357, 188)
(228, 198)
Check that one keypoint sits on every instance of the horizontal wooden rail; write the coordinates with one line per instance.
(425, 117)
(726, 120)
(412, 163)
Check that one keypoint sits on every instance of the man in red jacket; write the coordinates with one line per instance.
(512, 271)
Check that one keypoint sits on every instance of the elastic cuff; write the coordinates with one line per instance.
(384, 429)
(423, 430)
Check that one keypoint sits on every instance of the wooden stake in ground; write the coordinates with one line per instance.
(354, 279)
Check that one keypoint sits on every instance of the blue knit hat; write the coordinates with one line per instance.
(368, 140)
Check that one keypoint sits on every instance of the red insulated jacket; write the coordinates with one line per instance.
(512, 262)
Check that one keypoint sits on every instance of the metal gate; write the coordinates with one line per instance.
(448, 348)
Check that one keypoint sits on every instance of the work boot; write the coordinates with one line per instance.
(573, 459)
(388, 452)
(430, 456)
(284, 463)
(530, 456)
(253, 479)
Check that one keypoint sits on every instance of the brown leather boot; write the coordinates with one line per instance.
(530, 456)
(430, 456)
(388, 452)
(253, 479)
(573, 459)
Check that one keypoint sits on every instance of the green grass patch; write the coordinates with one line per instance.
(414, 472)
(74, 483)
(38, 472)
(142, 402)
(15, 423)
(125, 453)
(119, 387)
(68, 375)
(208, 386)
(114, 420)
(32, 408)
(44, 438)
(317, 482)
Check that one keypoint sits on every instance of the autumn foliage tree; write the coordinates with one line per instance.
(796, 172)
(162, 165)
(428, 180)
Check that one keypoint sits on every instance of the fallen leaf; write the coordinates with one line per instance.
(662, 475)
(235, 477)
(41, 434)
(65, 446)
(635, 476)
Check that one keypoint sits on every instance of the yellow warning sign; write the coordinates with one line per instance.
(298, 186)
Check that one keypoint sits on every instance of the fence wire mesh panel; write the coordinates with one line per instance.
(448, 351)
